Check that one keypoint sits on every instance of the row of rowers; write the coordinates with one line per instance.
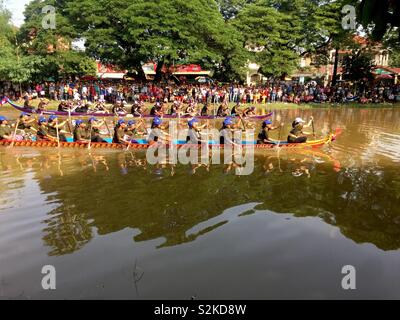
(124, 131)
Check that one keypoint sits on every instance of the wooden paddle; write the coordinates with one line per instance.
(313, 127)
(15, 133)
(108, 129)
(90, 136)
(58, 135)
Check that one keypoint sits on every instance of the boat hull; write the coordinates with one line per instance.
(78, 145)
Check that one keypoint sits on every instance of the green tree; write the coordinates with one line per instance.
(53, 47)
(379, 16)
(395, 59)
(358, 65)
(130, 33)
(14, 66)
(230, 8)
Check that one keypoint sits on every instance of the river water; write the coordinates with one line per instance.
(116, 227)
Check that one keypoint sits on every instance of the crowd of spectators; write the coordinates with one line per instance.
(285, 92)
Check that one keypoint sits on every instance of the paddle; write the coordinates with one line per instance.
(243, 122)
(15, 133)
(313, 127)
(58, 135)
(90, 136)
(108, 129)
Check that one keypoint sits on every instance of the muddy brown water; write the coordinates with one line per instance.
(116, 227)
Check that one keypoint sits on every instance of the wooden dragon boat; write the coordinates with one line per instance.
(142, 144)
(99, 114)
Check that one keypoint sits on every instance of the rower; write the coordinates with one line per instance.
(95, 126)
(226, 132)
(157, 133)
(297, 135)
(119, 132)
(137, 108)
(132, 128)
(251, 111)
(205, 110)
(263, 136)
(27, 104)
(25, 122)
(118, 107)
(80, 131)
(53, 125)
(43, 132)
(194, 133)
(63, 106)
(100, 107)
(175, 108)
(191, 108)
(156, 110)
(223, 110)
(236, 110)
(5, 129)
(42, 106)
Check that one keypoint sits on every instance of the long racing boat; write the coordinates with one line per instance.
(102, 114)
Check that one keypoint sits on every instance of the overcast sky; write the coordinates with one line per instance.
(17, 9)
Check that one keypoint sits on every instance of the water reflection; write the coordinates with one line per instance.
(354, 185)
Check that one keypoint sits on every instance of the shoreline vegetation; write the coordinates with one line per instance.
(261, 108)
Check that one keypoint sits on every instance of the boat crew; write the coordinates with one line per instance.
(5, 129)
(53, 125)
(95, 126)
(119, 132)
(80, 131)
(226, 132)
(297, 135)
(194, 134)
(263, 136)
(25, 122)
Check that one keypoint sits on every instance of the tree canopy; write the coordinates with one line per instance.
(221, 35)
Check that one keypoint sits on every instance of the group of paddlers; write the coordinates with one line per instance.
(125, 131)
(137, 109)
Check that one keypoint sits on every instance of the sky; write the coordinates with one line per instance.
(17, 9)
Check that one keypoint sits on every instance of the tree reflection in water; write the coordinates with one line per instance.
(101, 193)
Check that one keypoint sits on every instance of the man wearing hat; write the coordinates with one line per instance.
(42, 132)
(119, 132)
(263, 136)
(80, 131)
(297, 135)
(25, 122)
(5, 130)
(95, 126)
(194, 133)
